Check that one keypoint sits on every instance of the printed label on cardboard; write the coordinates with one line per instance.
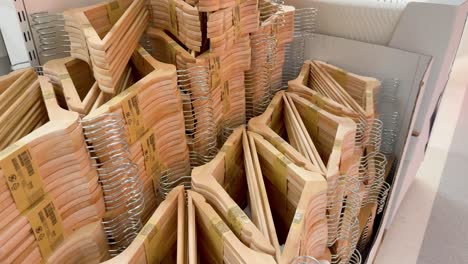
(133, 117)
(236, 18)
(297, 220)
(46, 224)
(114, 11)
(216, 232)
(237, 218)
(22, 176)
(338, 144)
(226, 98)
(48, 94)
(150, 154)
(274, 27)
(148, 234)
(215, 70)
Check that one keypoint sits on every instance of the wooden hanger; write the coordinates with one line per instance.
(87, 244)
(336, 147)
(10, 78)
(297, 128)
(225, 26)
(75, 78)
(161, 233)
(222, 181)
(268, 50)
(162, 122)
(179, 18)
(167, 50)
(300, 86)
(216, 243)
(211, 5)
(104, 25)
(327, 80)
(58, 155)
(227, 85)
(195, 90)
(259, 202)
(21, 105)
(366, 224)
(298, 200)
(270, 125)
(224, 88)
(362, 89)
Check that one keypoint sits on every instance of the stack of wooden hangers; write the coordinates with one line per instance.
(332, 144)
(107, 33)
(151, 111)
(180, 19)
(194, 85)
(226, 25)
(19, 115)
(268, 49)
(75, 86)
(321, 126)
(227, 87)
(297, 197)
(149, 117)
(50, 188)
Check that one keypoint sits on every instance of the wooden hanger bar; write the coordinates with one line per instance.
(111, 31)
(222, 181)
(298, 201)
(21, 106)
(160, 234)
(179, 18)
(270, 125)
(216, 243)
(76, 81)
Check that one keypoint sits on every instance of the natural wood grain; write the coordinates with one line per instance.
(268, 50)
(110, 46)
(179, 18)
(216, 242)
(225, 26)
(59, 151)
(297, 199)
(160, 105)
(223, 182)
(160, 234)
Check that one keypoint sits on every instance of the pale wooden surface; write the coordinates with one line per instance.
(59, 150)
